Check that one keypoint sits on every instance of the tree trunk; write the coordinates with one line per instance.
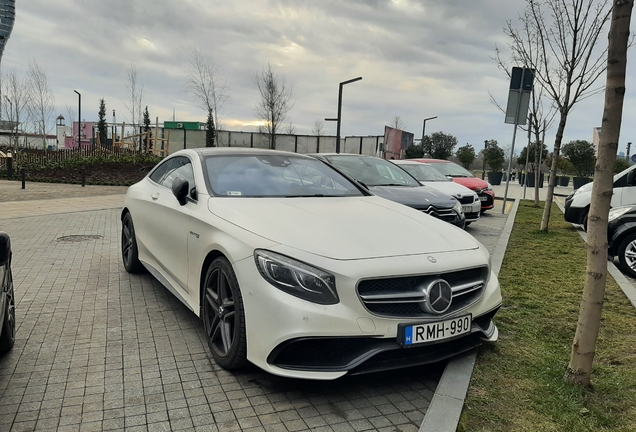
(580, 368)
(545, 220)
(537, 154)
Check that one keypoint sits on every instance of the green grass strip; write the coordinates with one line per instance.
(518, 384)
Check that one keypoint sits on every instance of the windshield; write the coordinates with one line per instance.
(275, 176)
(424, 173)
(373, 171)
(451, 169)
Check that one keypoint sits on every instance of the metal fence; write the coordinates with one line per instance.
(179, 139)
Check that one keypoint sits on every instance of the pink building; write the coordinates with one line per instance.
(70, 142)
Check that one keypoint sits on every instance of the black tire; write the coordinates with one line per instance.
(223, 315)
(129, 251)
(584, 216)
(627, 255)
(7, 337)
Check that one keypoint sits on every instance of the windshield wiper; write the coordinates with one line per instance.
(308, 196)
(391, 184)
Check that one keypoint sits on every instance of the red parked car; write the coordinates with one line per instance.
(464, 178)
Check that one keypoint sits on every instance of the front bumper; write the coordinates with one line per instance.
(291, 337)
(572, 214)
(487, 198)
(358, 355)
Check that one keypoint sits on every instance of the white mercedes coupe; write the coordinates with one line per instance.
(296, 268)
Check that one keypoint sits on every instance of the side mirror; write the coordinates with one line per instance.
(450, 178)
(5, 248)
(181, 189)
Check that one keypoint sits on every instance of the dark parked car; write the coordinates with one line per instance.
(7, 300)
(389, 181)
(621, 237)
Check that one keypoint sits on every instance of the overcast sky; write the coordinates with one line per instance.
(417, 58)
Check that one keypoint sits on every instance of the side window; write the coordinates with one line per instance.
(169, 170)
(621, 182)
(182, 167)
(160, 171)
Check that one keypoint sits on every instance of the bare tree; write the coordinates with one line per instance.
(290, 129)
(568, 61)
(319, 128)
(203, 82)
(40, 100)
(397, 123)
(580, 368)
(539, 119)
(16, 95)
(275, 102)
(135, 93)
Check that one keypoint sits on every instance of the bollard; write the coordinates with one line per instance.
(83, 176)
(10, 168)
(23, 174)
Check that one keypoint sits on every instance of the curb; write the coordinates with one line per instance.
(445, 409)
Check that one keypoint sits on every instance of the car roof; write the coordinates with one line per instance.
(228, 151)
(409, 162)
(433, 160)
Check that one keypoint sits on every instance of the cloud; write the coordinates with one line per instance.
(417, 59)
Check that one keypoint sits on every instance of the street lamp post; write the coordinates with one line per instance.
(483, 168)
(79, 120)
(424, 129)
(339, 119)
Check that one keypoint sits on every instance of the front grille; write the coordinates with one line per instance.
(469, 199)
(402, 297)
(447, 215)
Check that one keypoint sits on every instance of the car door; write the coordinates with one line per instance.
(168, 225)
(625, 195)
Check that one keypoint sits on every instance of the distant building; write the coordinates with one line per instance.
(7, 18)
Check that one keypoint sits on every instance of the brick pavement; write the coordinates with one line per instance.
(99, 349)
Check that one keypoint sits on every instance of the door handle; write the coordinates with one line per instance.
(155, 197)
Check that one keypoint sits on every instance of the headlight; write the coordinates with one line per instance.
(297, 278)
(458, 208)
(489, 187)
(617, 212)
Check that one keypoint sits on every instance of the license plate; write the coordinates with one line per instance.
(467, 209)
(483, 198)
(435, 331)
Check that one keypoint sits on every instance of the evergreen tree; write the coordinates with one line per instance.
(101, 124)
(148, 144)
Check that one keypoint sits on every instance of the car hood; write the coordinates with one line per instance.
(450, 188)
(343, 228)
(417, 197)
(473, 183)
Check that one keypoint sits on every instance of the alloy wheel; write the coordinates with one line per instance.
(220, 312)
(127, 242)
